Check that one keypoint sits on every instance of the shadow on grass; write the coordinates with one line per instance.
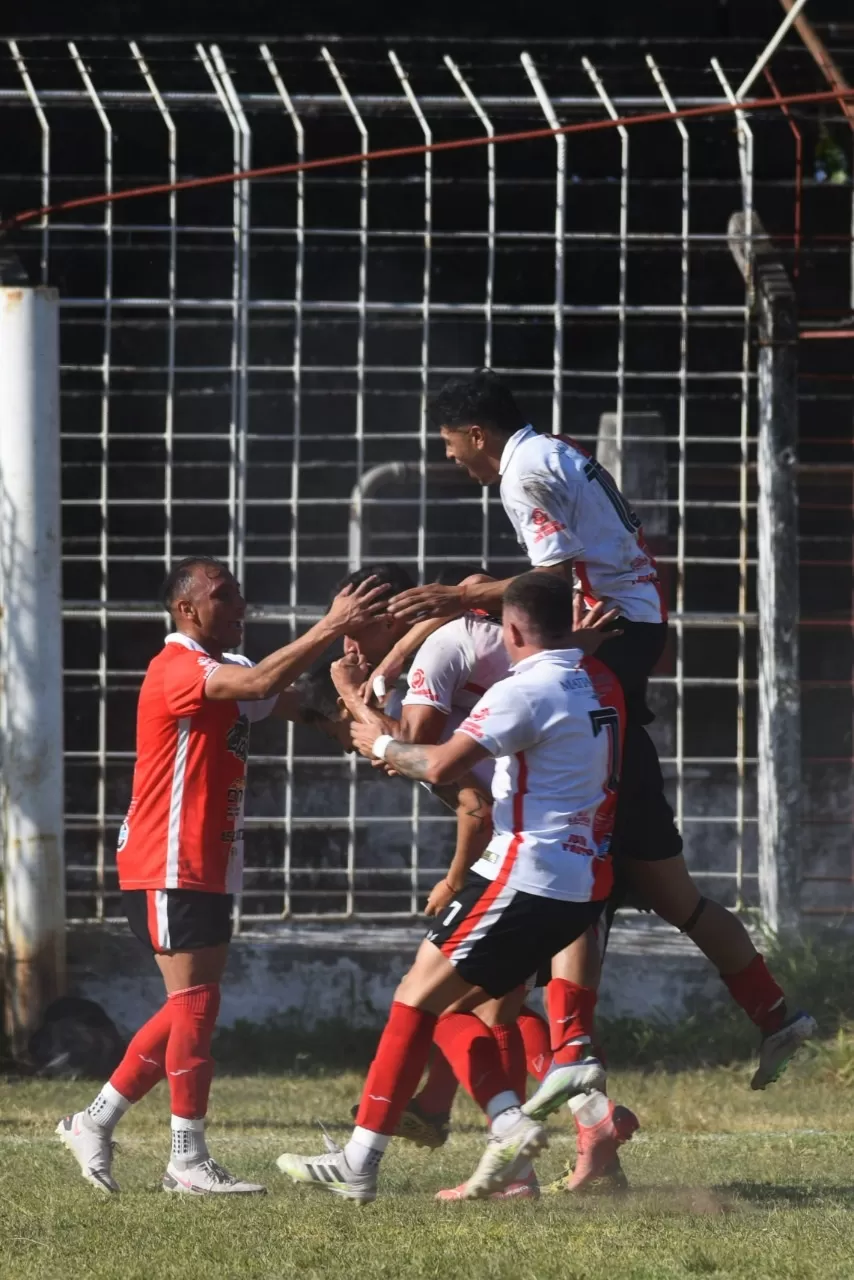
(760, 1193)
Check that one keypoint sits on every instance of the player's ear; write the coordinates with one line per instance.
(516, 635)
(477, 435)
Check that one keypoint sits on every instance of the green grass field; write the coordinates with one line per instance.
(725, 1183)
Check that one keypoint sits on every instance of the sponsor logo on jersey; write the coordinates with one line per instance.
(417, 679)
(124, 832)
(238, 738)
(546, 525)
(471, 724)
(208, 665)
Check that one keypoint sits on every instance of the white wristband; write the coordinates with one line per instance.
(381, 745)
(379, 688)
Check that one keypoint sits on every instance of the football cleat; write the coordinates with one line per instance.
(330, 1172)
(206, 1178)
(777, 1050)
(563, 1083)
(416, 1126)
(505, 1157)
(523, 1189)
(597, 1146)
(611, 1181)
(92, 1147)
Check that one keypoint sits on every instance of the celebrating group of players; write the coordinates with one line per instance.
(525, 712)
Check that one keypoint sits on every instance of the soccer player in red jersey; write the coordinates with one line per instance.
(180, 852)
(573, 521)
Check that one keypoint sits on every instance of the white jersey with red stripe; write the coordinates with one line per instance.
(184, 827)
(452, 671)
(557, 752)
(564, 505)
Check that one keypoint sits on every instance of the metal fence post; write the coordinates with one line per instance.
(779, 744)
(30, 543)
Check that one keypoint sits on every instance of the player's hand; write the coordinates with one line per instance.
(440, 896)
(388, 671)
(590, 628)
(430, 601)
(363, 737)
(348, 673)
(355, 607)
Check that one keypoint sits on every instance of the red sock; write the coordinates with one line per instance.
(144, 1063)
(396, 1069)
(570, 1019)
(538, 1045)
(758, 994)
(472, 1051)
(440, 1087)
(511, 1049)
(189, 1065)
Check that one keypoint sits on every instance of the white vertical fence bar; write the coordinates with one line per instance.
(293, 595)
(106, 368)
(683, 441)
(360, 413)
(489, 128)
(44, 222)
(624, 257)
(745, 153)
(422, 413)
(548, 111)
(172, 281)
(31, 619)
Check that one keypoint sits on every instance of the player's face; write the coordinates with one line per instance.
(219, 606)
(466, 447)
(372, 643)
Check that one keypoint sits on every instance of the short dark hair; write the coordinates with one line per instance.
(451, 575)
(387, 573)
(546, 601)
(179, 577)
(483, 400)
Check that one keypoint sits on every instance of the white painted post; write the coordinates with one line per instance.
(30, 571)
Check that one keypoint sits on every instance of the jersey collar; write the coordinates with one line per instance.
(175, 637)
(512, 445)
(560, 657)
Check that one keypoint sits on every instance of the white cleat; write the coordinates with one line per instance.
(504, 1158)
(330, 1172)
(777, 1050)
(92, 1148)
(206, 1178)
(563, 1083)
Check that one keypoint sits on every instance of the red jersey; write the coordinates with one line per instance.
(184, 827)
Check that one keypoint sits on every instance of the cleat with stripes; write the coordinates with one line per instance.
(777, 1050)
(330, 1172)
(92, 1147)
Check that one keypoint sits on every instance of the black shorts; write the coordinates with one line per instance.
(632, 657)
(497, 937)
(178, 919)
(644, 825)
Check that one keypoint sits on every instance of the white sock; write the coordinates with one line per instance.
(589, 1108)
(108, 1108)
(364, 1151)
(504, 1122)
(188, 1140)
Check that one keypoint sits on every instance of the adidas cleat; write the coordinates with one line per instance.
(206, 1178)
(563, 1083)
(777, 1050)
(504, 1158)
(330, 1172)
(92, 1148)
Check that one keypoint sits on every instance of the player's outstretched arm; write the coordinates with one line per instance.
(434, 600)
(447, 762)
(351, 609)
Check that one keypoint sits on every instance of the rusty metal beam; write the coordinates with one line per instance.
(824, 61)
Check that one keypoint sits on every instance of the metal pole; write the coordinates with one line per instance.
(779, 775)
(30, 544)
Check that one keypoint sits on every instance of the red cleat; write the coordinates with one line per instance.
(597, 1147)
(526, 1189)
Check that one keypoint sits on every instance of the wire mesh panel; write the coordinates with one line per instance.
(239, 361)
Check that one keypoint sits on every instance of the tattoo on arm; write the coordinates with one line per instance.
(408, 758)
(474, 805)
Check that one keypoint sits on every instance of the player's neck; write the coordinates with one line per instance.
(208, 643)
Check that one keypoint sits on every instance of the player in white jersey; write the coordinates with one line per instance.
(572, 520)
(540, 883)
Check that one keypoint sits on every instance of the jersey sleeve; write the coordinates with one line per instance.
(541, 509)
(502, 721)
(254, 709)
(184, 682)
(439, 670)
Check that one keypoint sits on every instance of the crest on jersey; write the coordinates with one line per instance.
(416, 679)
(238, 738)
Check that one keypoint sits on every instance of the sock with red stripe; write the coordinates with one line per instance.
(440, 1088)
(396, 1069)
(570, 1020)
(472, 1050)
(142, 1067)
(511, 1051)
(758, 994)
(189, 1067)
(537, 1041)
